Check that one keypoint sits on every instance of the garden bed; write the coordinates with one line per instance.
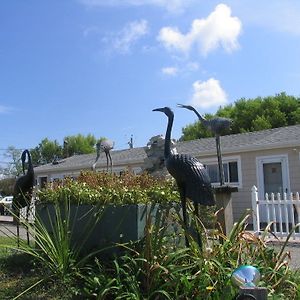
(100, 227)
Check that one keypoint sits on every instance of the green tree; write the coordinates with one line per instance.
(46, 152)
(252, 115)
(14, 165)
(7, 186)
(80, 144)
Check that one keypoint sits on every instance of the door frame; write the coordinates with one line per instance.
(280, 158)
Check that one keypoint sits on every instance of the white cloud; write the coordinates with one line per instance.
(170, 71)
(192, 66)
(169, 5)
(208, 94)
(129, 35)
(180, 68)
(219, 29)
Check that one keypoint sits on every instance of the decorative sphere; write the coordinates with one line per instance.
(245, 276)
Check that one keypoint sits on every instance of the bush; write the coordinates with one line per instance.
(157, 270)
(104, 188)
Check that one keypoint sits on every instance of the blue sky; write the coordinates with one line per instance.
(101, 66)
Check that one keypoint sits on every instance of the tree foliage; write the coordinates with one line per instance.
(7, 186)
(14, 165)
(252, 115)
(48, 151)
(80, 144)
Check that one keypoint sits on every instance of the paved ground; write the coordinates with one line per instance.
(11, 230)
(293, 248)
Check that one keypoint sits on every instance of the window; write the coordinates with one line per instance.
(232, 171)
(43, 181)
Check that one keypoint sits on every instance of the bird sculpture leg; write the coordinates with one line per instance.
(110, 162)
(220, 163)
(106, 154)
(26, 223)
(199, 240)
(184, 214)
(18, 233)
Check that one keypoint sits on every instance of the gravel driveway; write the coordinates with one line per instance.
(293, 248)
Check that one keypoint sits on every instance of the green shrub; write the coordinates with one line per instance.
(159, 270)
(104, 188)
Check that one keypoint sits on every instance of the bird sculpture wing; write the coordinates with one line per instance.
(219, 125)
(191, 175)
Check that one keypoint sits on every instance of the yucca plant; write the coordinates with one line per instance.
(141, 272)
(53, 247)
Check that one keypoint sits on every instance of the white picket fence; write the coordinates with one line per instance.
(283, 211)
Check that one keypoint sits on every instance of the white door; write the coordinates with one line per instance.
(272, 177)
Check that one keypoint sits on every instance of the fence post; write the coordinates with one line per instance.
(255, 209)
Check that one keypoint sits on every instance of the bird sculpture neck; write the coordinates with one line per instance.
(30, 166)
(167, 151)
(202, 119)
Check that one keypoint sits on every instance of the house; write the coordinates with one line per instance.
(269, 159)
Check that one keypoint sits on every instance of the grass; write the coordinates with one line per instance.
(20, 271)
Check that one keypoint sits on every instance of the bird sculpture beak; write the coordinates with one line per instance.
(183, 106)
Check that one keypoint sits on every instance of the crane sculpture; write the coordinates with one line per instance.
(217, 126)
(191, 177)
(23, 192)
(105, 145)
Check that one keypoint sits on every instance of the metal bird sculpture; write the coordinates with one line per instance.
(23, 192)
(191, 177)
(105, 145)
(217, 126)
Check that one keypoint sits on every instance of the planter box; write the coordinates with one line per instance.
(99, 227)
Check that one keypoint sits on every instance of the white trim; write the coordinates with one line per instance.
(283, 159)
(57, 176)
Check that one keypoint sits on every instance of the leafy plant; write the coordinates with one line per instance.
(54, 248)
(104, 188)
(159, 269)
(158, 266)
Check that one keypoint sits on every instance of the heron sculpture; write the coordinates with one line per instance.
(191, 177)
(105, 145)
(23, 192)
(217, 126)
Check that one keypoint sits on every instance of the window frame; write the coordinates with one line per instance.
(226, 160)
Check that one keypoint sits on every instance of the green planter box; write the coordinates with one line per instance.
(98, 227)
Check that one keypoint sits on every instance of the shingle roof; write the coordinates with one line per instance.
(85, 161)
(265, 139)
